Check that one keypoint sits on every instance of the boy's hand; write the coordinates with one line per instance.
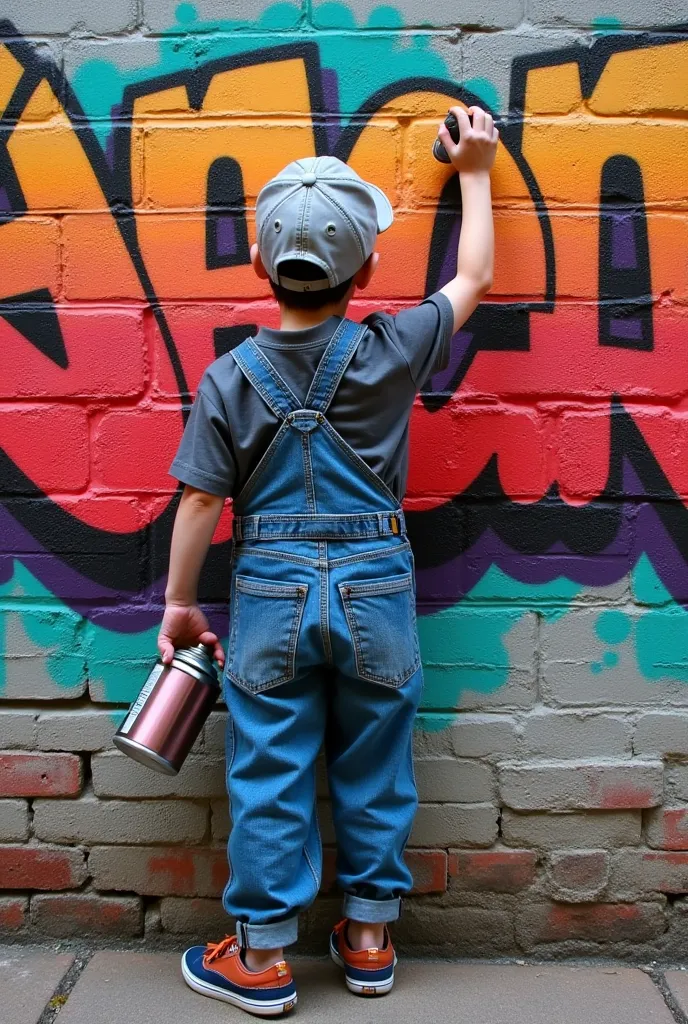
(184, 625)
(477, 145)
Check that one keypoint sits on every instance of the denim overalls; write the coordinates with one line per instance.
(323, 646)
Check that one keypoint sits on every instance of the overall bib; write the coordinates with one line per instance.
(323, 648)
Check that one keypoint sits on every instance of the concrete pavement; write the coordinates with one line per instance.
(38, 986)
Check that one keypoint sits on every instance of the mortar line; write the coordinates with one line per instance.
(659, 980)
(64, 988)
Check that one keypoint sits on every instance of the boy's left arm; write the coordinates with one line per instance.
(184, 623)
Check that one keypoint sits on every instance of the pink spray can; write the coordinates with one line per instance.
(168, 714)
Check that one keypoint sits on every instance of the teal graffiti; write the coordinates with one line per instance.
(364, 62)
(54, 630)
(606, 25)
(465, 648)
(613, 627)
(661, 633)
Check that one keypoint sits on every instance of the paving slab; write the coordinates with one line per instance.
(127, 988)
(28, 978)
(678, 983)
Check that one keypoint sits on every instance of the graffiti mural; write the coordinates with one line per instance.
(549, 477)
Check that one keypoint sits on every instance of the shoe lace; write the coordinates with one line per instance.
(218, 949)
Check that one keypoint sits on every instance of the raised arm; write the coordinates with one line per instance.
(472, 157)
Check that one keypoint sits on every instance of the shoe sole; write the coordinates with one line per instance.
(258, 1007)
(360, 988)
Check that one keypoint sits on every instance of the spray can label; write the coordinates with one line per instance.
(140, 701)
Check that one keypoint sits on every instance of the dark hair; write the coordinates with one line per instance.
(304, 270)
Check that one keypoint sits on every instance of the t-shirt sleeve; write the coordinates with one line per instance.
(423, 335)
(205, 456)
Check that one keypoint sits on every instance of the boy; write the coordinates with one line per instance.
(306, 427)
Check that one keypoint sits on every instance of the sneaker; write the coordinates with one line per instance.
(368, 972)
(218, 970)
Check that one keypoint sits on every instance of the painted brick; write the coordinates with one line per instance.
(635, 873)
(41, 867)
(597, 922)
(14, 820)
(13, 913)
(116, 775)
(490, 735)
(17, 729)
(571, 647)
(577, 876)
(661, 733)
(490, 55)
(666, 828)
(89, 820)
(455, 824)
(492, 870)
(568, 829)
(162, 16)
(631, 15)
(31, 16)
(195, 916)
(23, 774)
(443, 779)
(478, 690)
(28, 673)
(85, 914)
(68, 431)
(586, 784)
(78, 729)
(413, 14)
(157, 431)
(561, 734)
(127, 53)
(89, 243)
(445, 641)
(428, 867)
(160, 871)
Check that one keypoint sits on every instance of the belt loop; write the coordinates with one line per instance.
(395, 524)
(237, 530)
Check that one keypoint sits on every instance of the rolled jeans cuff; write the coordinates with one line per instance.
(371, 911)
(268, 936)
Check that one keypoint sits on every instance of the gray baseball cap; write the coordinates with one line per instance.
(319, 210)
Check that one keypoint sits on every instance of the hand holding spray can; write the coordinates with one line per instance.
(438, 150)
(168, 714)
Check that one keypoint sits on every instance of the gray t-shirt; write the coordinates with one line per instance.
(230, 426)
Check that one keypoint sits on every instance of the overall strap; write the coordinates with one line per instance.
(333, 364)
(260, 372)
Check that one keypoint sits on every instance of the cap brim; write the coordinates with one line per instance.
(385, 213)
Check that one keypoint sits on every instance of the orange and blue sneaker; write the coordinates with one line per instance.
(368, 972)
(218, 970)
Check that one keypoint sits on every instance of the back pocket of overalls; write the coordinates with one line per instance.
(266, 618)
(382, 621)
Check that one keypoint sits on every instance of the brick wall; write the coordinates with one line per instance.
(548, 485)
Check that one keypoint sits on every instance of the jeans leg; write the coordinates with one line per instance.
(373, 790)
(274, 849)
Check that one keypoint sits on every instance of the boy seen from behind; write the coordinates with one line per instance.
(306, 428)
